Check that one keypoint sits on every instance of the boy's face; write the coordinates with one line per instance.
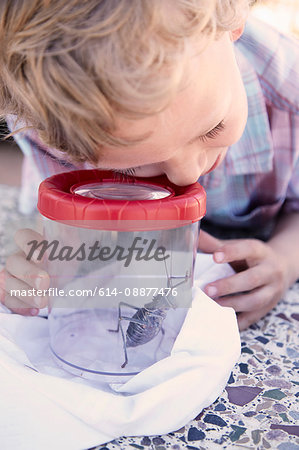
(191, 137)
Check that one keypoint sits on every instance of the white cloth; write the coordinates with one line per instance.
(52, 409)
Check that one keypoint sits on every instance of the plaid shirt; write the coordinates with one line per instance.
(259, 177)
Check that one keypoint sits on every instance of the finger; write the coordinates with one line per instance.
(250, 250)
(28, 272)
(247, 280)
(25, 239)
(16, 288)
(252, 301)
(16, 305)
(208, 243)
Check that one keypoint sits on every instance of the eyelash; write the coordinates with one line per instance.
(212, 134)
(120, 173)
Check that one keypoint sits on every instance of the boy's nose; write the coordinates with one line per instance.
(182, 170)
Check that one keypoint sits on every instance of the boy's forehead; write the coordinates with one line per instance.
(202, 99)
(202, 102)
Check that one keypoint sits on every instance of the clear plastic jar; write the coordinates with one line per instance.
(120, 255)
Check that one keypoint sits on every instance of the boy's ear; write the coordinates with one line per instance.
(235, 34)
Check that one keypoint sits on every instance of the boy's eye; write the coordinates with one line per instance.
(212, 134)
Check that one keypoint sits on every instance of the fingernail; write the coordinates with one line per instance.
(34, 311)
(219, 256)
(211, 291)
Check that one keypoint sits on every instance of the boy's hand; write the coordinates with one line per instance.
(259, 283)
(22, 274)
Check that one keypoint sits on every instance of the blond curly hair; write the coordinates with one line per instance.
(68, 68)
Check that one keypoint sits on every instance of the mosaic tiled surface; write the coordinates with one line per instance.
(258, 409)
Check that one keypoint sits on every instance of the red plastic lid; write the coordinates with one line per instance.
(62, 198)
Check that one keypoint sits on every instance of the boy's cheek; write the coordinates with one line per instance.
(236, 126)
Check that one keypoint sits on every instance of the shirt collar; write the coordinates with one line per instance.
(253, 153)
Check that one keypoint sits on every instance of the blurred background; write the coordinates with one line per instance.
(282, 14)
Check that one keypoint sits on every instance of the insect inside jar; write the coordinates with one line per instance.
(147, 321)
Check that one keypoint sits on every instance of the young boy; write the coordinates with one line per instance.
(158, 86)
